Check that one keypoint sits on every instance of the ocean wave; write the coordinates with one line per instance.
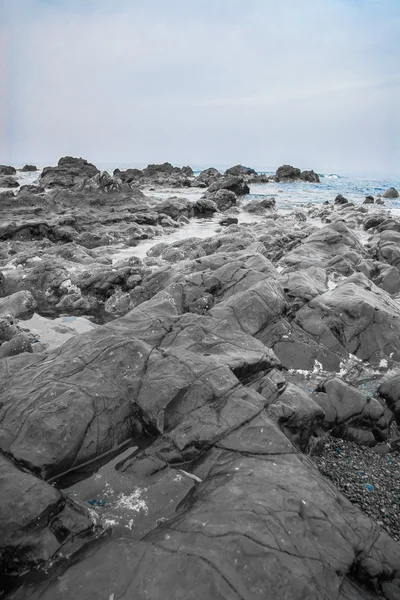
(330, 176)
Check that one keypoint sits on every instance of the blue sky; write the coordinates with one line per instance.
(315, 83)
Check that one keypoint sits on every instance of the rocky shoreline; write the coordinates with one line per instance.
(182, 446)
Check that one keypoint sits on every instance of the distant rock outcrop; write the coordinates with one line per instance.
(391, 193)
(7, 170)
(289, 173)
(68, 173)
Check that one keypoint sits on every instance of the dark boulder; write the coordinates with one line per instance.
(6, 170)
(340, 199)
(29, 168)
(369, 200)
(228, 221)
(310, 176)
(129, 175)
(204, 207)
(391, 193)
(240, 170)
(232, 183)
(287, 172)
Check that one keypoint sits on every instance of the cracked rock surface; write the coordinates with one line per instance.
(191, 383)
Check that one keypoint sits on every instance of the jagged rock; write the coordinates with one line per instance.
(325, 244)
(388, 249)
(230, 182)
(352, 415)
(207, 177)
(7, 181)
(297, 414)
(302, 286)
(36, 521)
(29, 168)
(68, 173)
(27, 190)
(7, 170)
(129, 175)
(224, 199)
(362, 317)
(391, 193)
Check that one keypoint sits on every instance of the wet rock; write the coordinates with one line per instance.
(29, 168)
(7, 181)
(391, 193)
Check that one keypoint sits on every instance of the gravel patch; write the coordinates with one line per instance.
(366, 478)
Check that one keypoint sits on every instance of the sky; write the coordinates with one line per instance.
(314, 83)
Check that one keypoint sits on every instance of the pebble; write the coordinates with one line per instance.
(368, 479)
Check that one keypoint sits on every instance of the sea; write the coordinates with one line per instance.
(287, 195)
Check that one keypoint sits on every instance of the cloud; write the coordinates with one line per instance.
(221, 82)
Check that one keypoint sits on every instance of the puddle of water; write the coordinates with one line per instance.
(54, 332)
